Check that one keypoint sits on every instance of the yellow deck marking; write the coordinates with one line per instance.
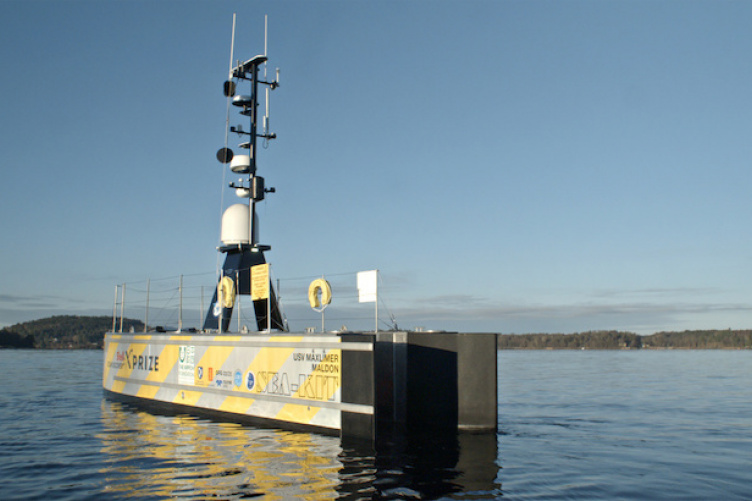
(285, 339)
(181, 338)
(228, 338)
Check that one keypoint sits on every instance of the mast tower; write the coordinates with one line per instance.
(239, 235)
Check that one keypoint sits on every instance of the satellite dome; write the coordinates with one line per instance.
(236, 225)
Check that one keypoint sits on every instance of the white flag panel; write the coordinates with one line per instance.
(367, 286)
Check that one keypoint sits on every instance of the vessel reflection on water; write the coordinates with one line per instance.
(162, 455)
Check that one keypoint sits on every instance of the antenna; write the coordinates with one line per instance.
(225, 154)
(229, 86)
(266, 33)
(232, 46)
(266, 115)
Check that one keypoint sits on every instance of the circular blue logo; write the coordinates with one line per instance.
(238, 378)
(250, 380)
(201, 373)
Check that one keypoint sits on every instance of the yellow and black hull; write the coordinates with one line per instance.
(344, 384)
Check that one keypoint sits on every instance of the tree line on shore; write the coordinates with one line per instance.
(86, 332)
(63, 332)
(616, 340)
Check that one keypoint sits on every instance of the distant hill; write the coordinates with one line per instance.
(615, 340)
(62, 332)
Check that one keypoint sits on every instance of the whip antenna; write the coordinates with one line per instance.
(232, 45)
(266, 36)
(266, 114)
(226, 155)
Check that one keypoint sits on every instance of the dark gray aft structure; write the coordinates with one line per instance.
(421, 383)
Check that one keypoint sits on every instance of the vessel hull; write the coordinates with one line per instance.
(348, 384)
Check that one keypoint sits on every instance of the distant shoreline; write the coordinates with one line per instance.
(671, 348)
(616, 340)
(86, 332)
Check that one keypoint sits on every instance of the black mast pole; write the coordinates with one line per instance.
(254, 113)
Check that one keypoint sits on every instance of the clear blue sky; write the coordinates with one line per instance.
(508, 166)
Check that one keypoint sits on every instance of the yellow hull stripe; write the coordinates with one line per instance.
(111, 349)
(118, 386)
(168, 357)
(236, 405)
(147, 391)
(187, 397)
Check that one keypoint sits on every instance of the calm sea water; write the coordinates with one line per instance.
(573, 425)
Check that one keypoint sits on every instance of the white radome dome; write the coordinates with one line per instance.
(236, 225)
